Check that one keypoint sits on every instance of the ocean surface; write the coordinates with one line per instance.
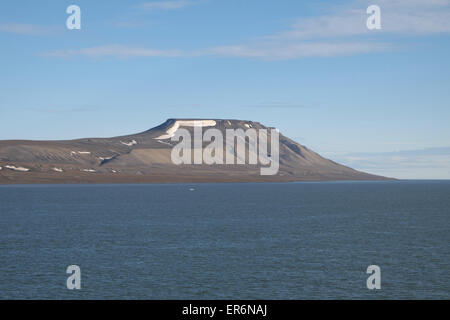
(226, 241)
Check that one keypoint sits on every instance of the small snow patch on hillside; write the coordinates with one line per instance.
(22, 169)
(79, 152)
(129, 144)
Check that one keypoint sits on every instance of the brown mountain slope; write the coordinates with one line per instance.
(145, 157)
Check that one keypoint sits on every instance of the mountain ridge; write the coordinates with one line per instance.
(145, 157)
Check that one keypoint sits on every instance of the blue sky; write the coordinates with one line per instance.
(311, 68)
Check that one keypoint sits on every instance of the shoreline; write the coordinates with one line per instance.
(166, 180)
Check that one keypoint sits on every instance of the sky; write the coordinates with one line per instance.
(376, 100)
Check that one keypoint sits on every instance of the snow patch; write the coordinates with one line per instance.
(185, 123)
(22, 169)
(79, 152)
(129, 144)
(57, 169)
(88, 170)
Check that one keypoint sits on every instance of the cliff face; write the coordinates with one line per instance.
(146, 157)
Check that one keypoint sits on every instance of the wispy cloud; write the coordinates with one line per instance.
(269, 53)
(279, 51)
(26, 29)
(430, 163)
(117, 51)
(406, 17)
(344, 31)
(340, 32)
(167, 5)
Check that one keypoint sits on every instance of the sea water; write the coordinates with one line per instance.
(226, 241)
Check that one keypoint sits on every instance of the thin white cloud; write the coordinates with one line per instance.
(431, 163)
(166, 5)
(25, 29)
(341, 32)
(334, 34)
(406, 17)
(280, 51)
(114, 51)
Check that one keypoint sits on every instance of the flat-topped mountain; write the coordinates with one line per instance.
(146, 157)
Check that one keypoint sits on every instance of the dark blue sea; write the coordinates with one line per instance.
(226, 241)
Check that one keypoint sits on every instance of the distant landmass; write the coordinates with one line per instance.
(146, 158)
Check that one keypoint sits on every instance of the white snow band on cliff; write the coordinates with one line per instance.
(185, 123)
